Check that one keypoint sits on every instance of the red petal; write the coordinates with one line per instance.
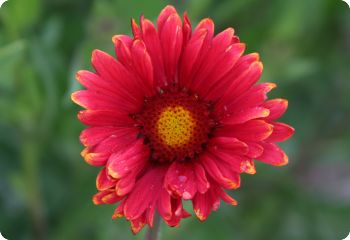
(216, 173)
(235, 39)
(105, 118)
(95, 83)
(195, 51)
(243, 76)
(252, 98)
(225, 159)
(223, 64)
(248, 166)
(151, 39)
(203, 204)
(106, 197)
(220, 58)
(229, 145)
(230, 173)
(187, 29)
(178, 212)
(125, 185)
(171, 209)
(132, 159)
(117, 142)
(95, 100)
(164, 205)
(136, 31)
(277, 108)
(95, 159)
(119, 211)
(273, 155)
(103, 181)
(164, 15)
(150, 215)
(253, 130)
(108, 88)
(221, 44)
(123, 45)
(94, 135)
(92, 100)
(145, 193)
(114, 72)
(171, 40)
(228, 199)
(254, 149)
(202, 181)
(180, 180)
(143, 66)
(281, 132)
(207, 24)
(232, 79)
(191, 55)
(138, 223)
(244, 115)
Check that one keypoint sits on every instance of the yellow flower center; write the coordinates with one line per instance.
(175, 126)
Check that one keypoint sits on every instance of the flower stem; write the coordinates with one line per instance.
(30, 157)
(154, 232)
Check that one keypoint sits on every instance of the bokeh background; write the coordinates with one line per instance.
(46, 187)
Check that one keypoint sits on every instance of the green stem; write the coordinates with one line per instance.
(154, 232)
(30, 161)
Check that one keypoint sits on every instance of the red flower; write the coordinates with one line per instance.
(176, 116)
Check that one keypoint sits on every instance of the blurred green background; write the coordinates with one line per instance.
(46, 187)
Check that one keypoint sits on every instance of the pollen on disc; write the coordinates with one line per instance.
(175, 126)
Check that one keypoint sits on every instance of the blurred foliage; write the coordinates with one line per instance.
(46, 188)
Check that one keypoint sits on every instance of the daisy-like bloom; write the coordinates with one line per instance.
(177, 115)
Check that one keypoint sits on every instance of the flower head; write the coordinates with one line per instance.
(178, 115)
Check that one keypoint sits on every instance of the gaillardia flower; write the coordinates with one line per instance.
(177, 115)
